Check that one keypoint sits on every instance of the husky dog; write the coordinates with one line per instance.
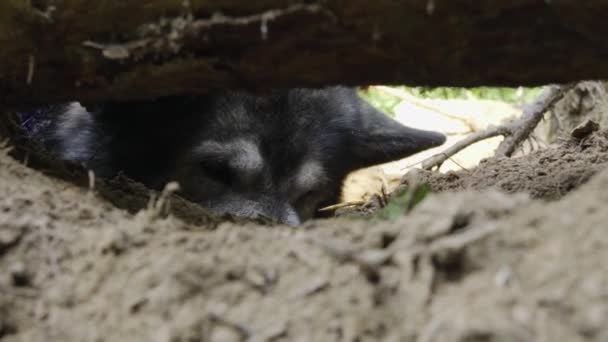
(282, 155)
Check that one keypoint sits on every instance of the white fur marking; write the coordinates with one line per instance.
(246, 156)
(242, 154)
(310, 175)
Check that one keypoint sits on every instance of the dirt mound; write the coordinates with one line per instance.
(548, 173)
(463, 266)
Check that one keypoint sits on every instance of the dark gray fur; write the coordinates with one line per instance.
(283, 154)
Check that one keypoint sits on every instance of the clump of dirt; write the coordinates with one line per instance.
(586, 101)
(548, 174)
(462, 266)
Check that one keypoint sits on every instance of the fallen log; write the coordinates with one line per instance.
(56, 50)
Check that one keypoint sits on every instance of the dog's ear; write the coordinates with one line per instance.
(379, 139)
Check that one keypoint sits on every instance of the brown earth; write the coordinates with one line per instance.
(548, 173)
(469, 264)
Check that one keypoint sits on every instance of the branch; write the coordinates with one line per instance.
(520, 129)
(438, 159)
(515, 132)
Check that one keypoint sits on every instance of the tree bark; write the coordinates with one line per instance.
(57, 50)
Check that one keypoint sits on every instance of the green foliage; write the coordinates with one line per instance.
(402, 202)
(381, 100)
(387, 102)
(515, 96)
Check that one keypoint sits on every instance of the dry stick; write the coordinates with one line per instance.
(342, 205)
(440, 158)
(515, 132)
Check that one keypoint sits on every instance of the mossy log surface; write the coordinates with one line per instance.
(57, 50)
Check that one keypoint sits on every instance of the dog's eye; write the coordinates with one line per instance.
(220, 172)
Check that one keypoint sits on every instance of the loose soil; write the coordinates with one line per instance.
(547, 174)
(513, 250)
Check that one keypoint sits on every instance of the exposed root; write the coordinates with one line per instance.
(160, 207)
(438, 159)
(515, 132)
(170, 35)
(520, 129)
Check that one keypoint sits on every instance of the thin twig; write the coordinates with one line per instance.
(438, 159)
(453, 160)
(342, 205)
